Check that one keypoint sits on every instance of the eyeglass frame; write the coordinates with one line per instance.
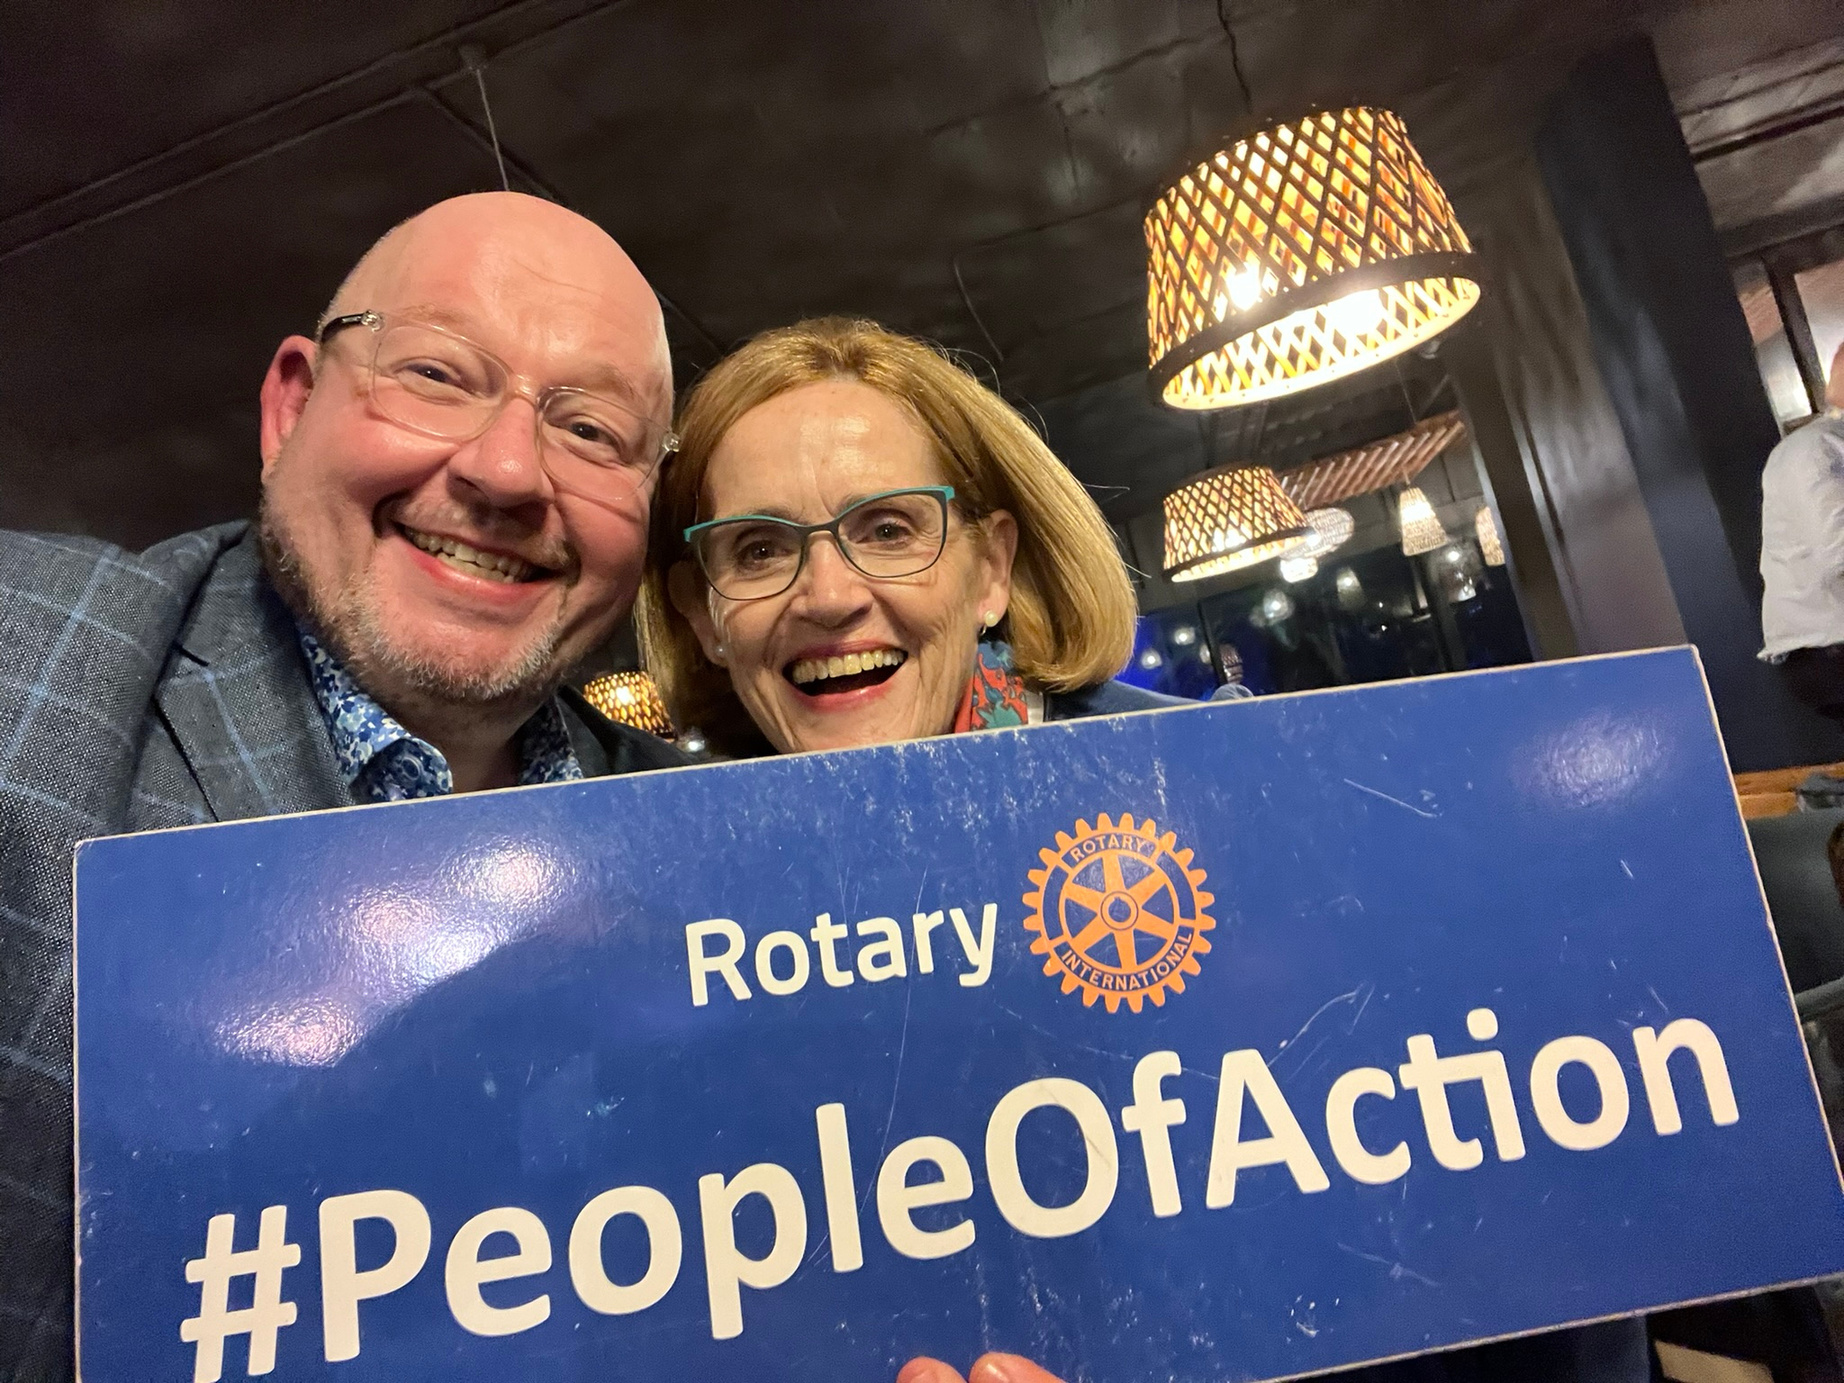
(943, 493)
(376, 323)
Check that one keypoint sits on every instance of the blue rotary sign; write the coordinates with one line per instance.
(1244, 1041)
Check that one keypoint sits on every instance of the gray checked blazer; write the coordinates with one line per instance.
(137, 691)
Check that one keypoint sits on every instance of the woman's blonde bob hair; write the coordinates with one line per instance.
(1072, 607)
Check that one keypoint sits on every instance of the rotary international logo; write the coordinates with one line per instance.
(1119, 913)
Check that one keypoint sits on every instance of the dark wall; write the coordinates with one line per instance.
(1675, 355)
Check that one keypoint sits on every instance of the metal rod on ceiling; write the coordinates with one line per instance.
(475, 59)
(1235, 55)
(161, 194)
(974, 312)
(530, 177)
(446, 40)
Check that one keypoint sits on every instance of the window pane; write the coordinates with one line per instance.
(1779, 372)
(1822, 292)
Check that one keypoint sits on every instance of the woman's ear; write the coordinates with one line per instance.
(998, 550)
(284, 394)
(688, 598)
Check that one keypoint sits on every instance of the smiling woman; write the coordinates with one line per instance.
(859, 542)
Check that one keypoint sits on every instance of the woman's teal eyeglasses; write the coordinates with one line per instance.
(887, 535)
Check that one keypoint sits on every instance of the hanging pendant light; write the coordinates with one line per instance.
(1228, 519)
(1332, 528)
(630, 698)
(1487, 533)
(1421, 526)
(1306, 252)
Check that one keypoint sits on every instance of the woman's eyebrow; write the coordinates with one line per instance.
(767, 511)
(776, 511)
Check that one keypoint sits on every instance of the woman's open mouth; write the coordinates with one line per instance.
(848, 672)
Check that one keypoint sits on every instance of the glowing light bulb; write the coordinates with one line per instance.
(1295, 569)
(1356, 314)
(1276, 605)
(1245, 288)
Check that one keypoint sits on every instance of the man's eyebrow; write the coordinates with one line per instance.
(608, 380)
(441, 317)
(603, 379)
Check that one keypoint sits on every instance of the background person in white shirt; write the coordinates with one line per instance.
(1802, 555)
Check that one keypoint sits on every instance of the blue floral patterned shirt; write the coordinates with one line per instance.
(383, 762)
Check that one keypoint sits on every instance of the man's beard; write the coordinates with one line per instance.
(351, 629)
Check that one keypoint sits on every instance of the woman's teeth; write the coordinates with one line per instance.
(471, 560)
(818, 669)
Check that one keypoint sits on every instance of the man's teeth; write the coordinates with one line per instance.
(471, 560)
(818, 669)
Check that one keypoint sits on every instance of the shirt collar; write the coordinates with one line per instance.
(383, 762)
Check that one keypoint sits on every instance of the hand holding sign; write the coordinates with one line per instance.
(989, 1368)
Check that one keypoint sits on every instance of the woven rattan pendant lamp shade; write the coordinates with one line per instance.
(1421, 526)
(1301, 254)
(1487, 532)
(1227, 519)
(630, 698)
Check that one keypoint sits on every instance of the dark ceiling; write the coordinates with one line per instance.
(187, 182)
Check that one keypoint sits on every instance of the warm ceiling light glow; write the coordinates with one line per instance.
(630, 698)
(1308, 252)
(1487, 532)
(1356, 314)
(1297, 569)
(1245, 288)
(1227, 519)
(1421, 526)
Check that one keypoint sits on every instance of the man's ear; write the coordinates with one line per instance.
(688, 598)
(999, 549)
(284, 394)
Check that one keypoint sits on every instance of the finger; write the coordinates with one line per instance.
(927, 1371)
(1006, 1368)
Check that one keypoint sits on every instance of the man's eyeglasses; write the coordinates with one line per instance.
(438, 383)
(887, 535)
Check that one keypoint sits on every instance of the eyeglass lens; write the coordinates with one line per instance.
(444, 386)
(884, 536)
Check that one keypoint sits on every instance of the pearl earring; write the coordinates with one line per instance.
(988, 619)
(719, 653)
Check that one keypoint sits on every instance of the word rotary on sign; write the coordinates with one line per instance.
(1329, 1029)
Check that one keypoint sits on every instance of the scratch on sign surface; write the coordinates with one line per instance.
(1407, 807)
(1364, 990)
(1397, 1271)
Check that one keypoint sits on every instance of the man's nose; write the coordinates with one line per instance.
(830, 590)
(503, 462)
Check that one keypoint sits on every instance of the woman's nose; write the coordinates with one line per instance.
(830, 590)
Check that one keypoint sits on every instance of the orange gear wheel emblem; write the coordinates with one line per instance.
(1119, 913)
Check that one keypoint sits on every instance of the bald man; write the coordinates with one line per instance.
(1802, 555)
(456, 474)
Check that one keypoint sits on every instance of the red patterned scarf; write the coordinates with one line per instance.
(995, 693)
